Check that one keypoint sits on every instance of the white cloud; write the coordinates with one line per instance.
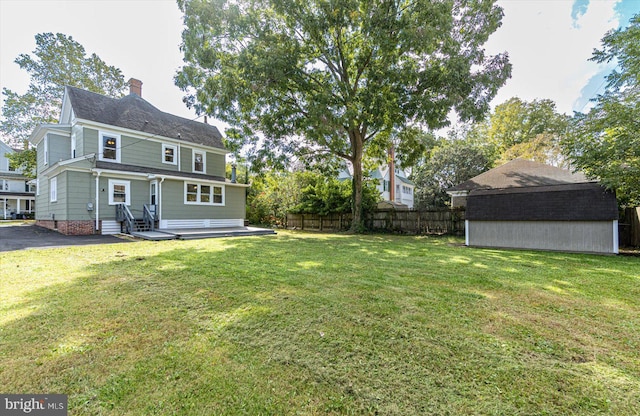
(549, 50)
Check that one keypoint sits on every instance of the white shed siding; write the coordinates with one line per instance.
(575, 236)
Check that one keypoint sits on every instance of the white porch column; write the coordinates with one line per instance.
(4, 208)
(18, 205)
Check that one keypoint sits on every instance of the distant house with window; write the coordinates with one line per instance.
(111, 160)
(395, 188)
(17, 193)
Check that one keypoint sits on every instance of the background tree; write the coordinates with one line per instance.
(342, 77)
(58, 60)
(449, 162)
(275, 193)
(530, 130)
(24, 161)
(605, 142)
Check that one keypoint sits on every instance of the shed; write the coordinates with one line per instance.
(576, 217)
(517, 173)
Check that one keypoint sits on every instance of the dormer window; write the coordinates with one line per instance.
(199, 161)
(109, 147)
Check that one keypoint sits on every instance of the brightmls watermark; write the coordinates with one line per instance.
(34, 404)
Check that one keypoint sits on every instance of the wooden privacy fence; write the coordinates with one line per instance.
(629, 227)
(444, 221)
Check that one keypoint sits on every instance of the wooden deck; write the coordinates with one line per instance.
(196, 233)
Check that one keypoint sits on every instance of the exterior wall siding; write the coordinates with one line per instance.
(574, 236)
(185, 158)
(140, 152)
(215, 164)
(45, 209)
(144, 153)
(173, 206)
(79, 132)
(42, 199)
(89, 141)
(81, 190)
(139, 197)
(59, 148)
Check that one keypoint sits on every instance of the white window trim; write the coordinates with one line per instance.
(127, 187)
(101, 136)
(37, 186)
(193, 161)
(53, 189)
(197, 201)
(175, 153)
(46, 150)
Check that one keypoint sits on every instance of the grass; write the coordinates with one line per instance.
(306, 323)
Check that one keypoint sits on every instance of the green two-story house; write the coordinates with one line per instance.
(111, 158)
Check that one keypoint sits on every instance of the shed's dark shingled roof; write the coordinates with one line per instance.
(132, 112)
(520, 173)
(573, 202)
(143, 169)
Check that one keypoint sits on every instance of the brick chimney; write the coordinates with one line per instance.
(135, 87)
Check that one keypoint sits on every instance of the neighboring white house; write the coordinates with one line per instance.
(404, 188)
(17, 196)
(393, 188)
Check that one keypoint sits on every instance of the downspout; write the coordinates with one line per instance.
(160, 200)
(98, 200)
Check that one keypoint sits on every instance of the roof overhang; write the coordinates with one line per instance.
(41, 130)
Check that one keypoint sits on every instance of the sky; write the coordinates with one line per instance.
(549, 43)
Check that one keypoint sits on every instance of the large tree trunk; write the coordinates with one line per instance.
(357, 224)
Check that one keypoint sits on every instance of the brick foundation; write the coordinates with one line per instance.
(70, 227)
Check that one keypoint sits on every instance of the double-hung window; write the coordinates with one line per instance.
(199, 161)
(109, 147)
(203, 194)
(119, 192)
(169, 154)
(53, 190)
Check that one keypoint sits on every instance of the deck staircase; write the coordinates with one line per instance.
(129, 224)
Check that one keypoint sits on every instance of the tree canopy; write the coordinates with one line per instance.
(346, 77)
(450, 161)
(605, 142)
(58, 60)
(527, 129)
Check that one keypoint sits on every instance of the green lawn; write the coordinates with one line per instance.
(303, 323)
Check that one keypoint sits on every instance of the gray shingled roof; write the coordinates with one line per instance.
(569, 202)
(133, 112)
(521, 173)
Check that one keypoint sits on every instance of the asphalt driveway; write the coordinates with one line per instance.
(19, 237)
